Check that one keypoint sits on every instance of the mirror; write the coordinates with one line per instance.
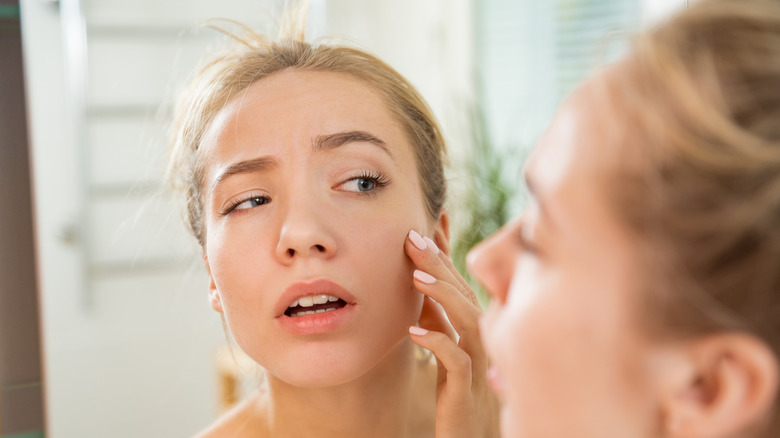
(131, 346)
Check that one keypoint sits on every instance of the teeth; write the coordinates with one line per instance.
(311, 312)
(311, 300)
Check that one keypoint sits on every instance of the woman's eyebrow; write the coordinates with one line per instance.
(246, 166)
(332, 141)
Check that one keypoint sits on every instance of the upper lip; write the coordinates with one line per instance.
(316, 287)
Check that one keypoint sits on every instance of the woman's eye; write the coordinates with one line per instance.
(368, 183)
(525, 246)
(252, 202)
(359, 185)
(248, 203)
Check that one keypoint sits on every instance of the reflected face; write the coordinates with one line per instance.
(569, 358)
(310, 189)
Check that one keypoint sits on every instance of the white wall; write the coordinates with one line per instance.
(430, 42)
(654, 11)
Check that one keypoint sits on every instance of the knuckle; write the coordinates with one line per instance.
(462, 362)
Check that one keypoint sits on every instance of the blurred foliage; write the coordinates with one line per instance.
(486, 201)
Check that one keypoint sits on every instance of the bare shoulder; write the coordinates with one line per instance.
(246, 419)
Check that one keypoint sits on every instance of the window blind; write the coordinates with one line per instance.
(532, 54)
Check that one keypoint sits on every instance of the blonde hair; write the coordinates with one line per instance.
(698, 168)
(254, 58)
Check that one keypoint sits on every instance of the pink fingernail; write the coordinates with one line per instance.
(418, 331)
(424, 276)
(417, 241)
(432, 244)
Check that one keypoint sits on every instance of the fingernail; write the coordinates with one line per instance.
(417, 241)
(432, 244)
(419, 331)
(424, 277)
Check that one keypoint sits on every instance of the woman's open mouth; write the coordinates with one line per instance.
(314, 308)
(313, 304)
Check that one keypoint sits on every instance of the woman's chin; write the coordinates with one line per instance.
(333, 364)
(315, 374)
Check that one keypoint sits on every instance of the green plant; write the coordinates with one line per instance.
(485, 203)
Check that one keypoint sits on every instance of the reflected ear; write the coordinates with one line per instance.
(441, 232)
(214, 299)
(728, 386)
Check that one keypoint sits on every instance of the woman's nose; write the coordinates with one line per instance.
(305, 233)
(492, 262)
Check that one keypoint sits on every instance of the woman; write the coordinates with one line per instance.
(639, 293)
(314, 185)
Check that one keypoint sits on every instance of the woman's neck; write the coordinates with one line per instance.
(395, 399)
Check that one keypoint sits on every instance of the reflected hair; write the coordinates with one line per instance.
(697, 168)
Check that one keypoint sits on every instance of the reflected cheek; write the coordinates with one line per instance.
(497, 334)
(513, 332)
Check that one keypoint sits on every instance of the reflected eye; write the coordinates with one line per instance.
(366, 183)
(524, 241)
(247, 203)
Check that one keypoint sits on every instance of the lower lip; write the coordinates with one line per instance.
(318, 323)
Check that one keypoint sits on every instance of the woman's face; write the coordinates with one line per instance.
(561, 331)
(310, 189)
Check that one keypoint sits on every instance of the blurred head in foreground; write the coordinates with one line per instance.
(639, 293)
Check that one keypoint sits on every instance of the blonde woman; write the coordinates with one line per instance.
(314, 185)
(639, 293)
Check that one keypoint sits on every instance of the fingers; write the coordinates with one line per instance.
(427, 257)
(456, 361)
(437, 278)
(465, 406)
(433, 317)
(463, 315)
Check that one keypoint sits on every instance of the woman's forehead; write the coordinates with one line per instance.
(300, 106)
(567, 170)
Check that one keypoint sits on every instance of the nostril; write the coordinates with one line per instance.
(291, 252)
(320, 248)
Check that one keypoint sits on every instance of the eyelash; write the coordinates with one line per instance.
(376, 177)
(236, 202)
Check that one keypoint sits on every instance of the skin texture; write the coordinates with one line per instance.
(285, 207)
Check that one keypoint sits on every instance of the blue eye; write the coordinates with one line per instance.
(364, 183)
(247, 203)
(252, 202)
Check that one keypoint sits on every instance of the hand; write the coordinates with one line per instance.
(449, 328)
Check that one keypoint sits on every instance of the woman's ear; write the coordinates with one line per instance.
(729, 387)
(441, 232)
(214, 299)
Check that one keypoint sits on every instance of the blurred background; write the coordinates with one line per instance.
(105, 329)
